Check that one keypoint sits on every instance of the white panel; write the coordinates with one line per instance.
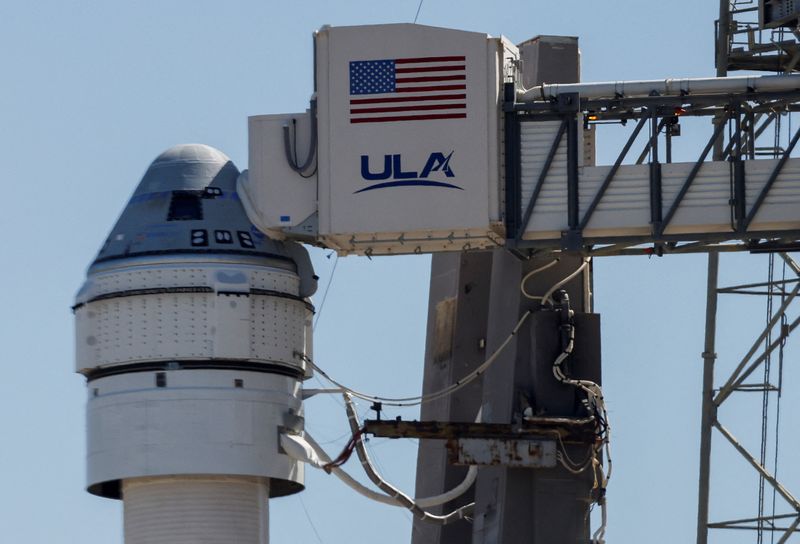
(232, 326)
(227, 323)
(143, 328)
(148, 277)
(278, 195)
(377, 191)
(409, 144)
(199, 422)
(626, 202)
(164, 275)
(782, 205)
(177, 326)
(624, 209)
(536, 140)
(705, 208)
(196, 510)
(275, 281)
(277, 329)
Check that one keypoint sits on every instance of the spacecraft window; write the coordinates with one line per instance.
(185, 206)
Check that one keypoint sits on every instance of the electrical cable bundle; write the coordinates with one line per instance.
(594, 404)
(346, 452)
(420, 399)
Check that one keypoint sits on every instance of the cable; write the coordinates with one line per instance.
(321, 458)
(562, 458)
(308, 450)
(595, 404)
(765, 397)
(406, 501)
(346, 452)
(598, 535)
(553, 289)
(458, 384)
(310, 520)
(546, 298)
(420, 399)
(531, 274)
(419, 7)
(287, 146)
(780, 392)
(325, 295)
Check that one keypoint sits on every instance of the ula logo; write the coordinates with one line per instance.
(393, 175)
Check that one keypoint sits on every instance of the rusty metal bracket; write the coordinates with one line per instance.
(569, 430)
(527, 453)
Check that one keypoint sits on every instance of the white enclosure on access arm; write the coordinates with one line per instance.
(410, 145)
(407, 144)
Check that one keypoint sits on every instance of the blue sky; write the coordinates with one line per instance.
(91, 92)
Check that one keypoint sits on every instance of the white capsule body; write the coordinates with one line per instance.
(193, 308)
(193, 367)
(192, 330)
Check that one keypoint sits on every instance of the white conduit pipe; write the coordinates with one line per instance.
(402, 498)
(663, 87)
(307, 450)
(554, 288)
(447, 496)
(547, 296)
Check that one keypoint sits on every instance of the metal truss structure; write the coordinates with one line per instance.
(768, 343)
(742, 43)
(745, 44)
(745, 116)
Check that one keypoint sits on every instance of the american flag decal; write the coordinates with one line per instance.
(411, 89)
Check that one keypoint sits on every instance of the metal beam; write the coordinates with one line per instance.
(580, 430)
(790, 530)
(791, 263)
(770, 181)
(653, 140)
(709, 412)
(726, 524)
(782, 491)
(512, 162)
(761, 358)
(611, 173)
(691, 177)
(737, 374)
(526, 217)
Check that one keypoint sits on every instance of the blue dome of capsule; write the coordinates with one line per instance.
(186, 203)
(188, 167)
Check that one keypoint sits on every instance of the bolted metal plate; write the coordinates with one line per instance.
(508, 453)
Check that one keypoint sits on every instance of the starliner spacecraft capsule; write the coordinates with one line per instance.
(191, 330)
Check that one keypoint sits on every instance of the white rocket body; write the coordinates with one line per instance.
(191, 329)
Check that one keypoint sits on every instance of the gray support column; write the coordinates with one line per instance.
(457, 315)
(475, 296)
(542, 506)
(709, 410)
(709, 416)
(721, 61)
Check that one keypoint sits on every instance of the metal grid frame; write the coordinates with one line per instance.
(715, 397)
(746, 116)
